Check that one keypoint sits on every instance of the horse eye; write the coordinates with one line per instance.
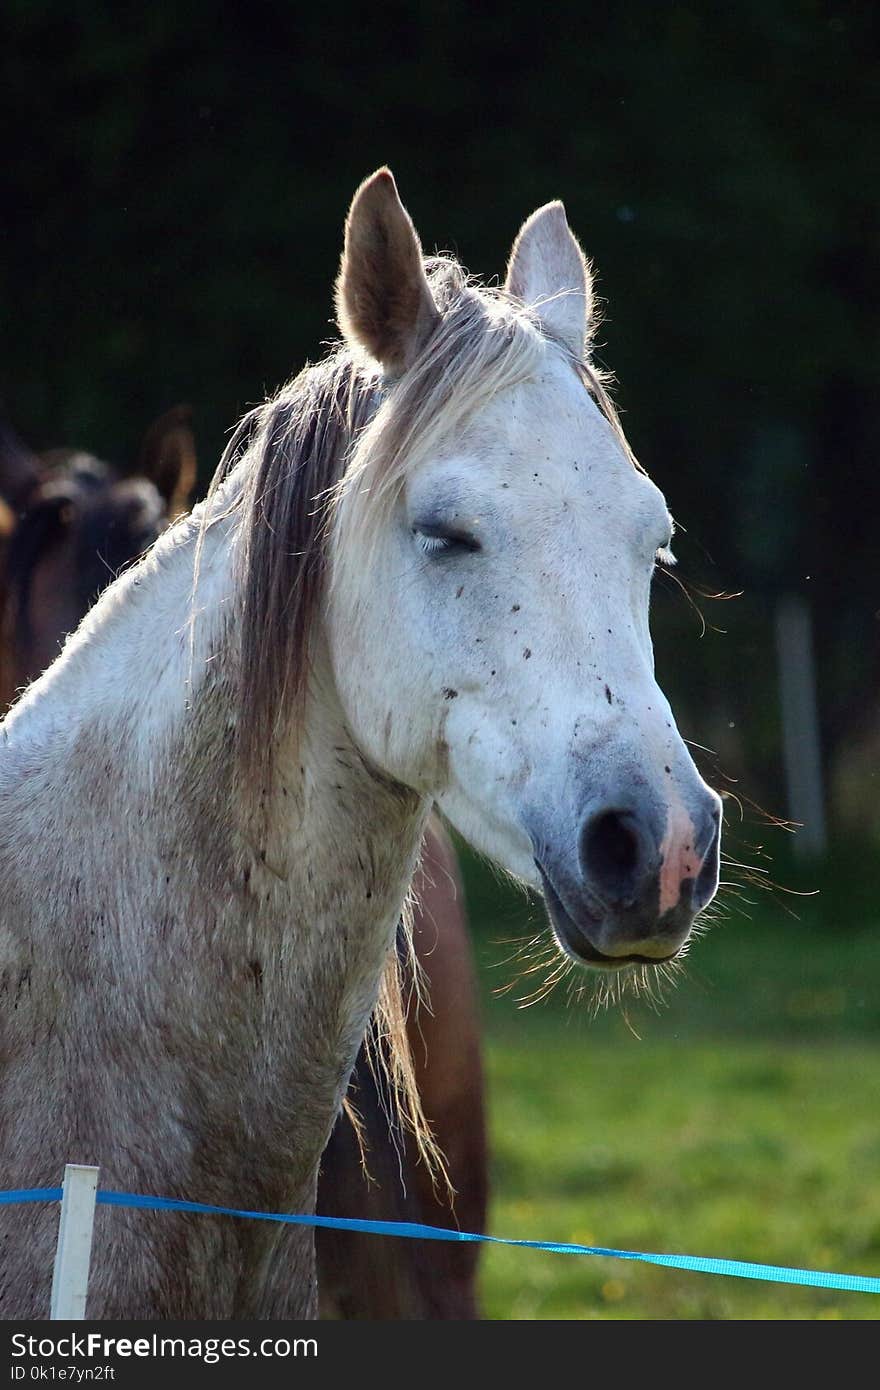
(438, 540)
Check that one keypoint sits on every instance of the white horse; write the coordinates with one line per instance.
(423, 575)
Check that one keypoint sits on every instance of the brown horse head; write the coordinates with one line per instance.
(69, 524)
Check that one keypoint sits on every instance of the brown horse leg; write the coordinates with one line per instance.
(444, 1036)
(362, 1277)
(380, 1277)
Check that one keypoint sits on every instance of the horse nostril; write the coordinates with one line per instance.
(706, 884)
(611, 853)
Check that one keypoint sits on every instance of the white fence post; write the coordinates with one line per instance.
(70, 1281)
(800, 724)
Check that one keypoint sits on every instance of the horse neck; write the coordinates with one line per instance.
(259, 936)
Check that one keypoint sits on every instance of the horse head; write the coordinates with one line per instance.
(495, 543)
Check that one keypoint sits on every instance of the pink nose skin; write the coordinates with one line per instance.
(681, 859)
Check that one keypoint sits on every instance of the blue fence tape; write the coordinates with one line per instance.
(700, 1264)
(30, 1194)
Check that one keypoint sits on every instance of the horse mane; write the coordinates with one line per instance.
(295, 450)
(313, 475)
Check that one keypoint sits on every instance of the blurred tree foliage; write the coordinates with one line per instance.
(176, 178)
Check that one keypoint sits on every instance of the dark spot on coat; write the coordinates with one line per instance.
(257, 972)
(449, 694)
(527, 651)
(515, 608)
(608, 696)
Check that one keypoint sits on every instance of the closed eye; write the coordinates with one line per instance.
(440, 540)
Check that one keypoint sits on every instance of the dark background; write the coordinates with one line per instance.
(176, 179)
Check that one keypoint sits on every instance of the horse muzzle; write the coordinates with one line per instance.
(638, 884)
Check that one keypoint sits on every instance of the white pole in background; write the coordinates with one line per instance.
(800, 724)
(70, 1281)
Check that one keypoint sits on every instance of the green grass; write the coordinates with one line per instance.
(741, 1121)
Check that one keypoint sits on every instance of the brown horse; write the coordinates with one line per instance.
(68, 524)
(71, 523)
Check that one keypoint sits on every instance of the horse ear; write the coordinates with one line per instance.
(549, 272)
(21, 472)
(383, 301)
(168, 458)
